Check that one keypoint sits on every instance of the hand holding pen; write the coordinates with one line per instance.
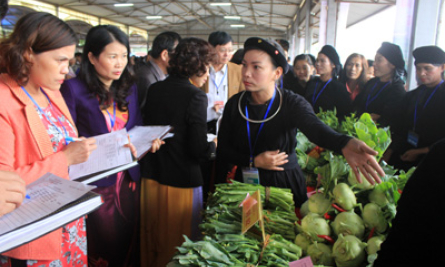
(79, 149)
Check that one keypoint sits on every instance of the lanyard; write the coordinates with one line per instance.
(112, 119)
(314, 99)
(281, 82)
(46, 115)
(220, 82)
(369, 100)
(252, 146)
(426, 103)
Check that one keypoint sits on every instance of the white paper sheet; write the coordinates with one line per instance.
(142, 137)
(210, 137)
(47, 194)
(110, 153)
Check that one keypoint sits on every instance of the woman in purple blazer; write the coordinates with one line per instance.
(101, 99)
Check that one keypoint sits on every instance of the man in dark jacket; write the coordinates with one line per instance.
(155, 69)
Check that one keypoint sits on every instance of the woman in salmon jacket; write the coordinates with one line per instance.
(36, 127)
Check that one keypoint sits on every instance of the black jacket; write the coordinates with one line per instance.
(334, 96)
(382, 100)
(430, 126)
(176, 102)
(415, 238)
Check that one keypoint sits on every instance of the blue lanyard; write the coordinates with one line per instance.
(426, 103)
(220, 83)
(281, 82)
(112, 119)
(369, 100)
(66, 136)
(314, 99)
(252, 146)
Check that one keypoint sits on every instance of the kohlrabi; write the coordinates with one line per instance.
(304, 209)
(374, 218)
(374, 244)
(303, 241)
(348, 223)
(314, 225)
(349, 251)
(321, 254)
(344, 196)
(352, 179)
(378, 196)
(318, 203)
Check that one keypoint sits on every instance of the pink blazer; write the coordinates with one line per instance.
(25, 148)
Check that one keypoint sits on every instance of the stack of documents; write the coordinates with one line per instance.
(53, 202)
(111, 155)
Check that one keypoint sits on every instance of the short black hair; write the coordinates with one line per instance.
(237, 57)
(219, 38)
(284, 44)
(3, 8)
(77, 54)
(164, 40)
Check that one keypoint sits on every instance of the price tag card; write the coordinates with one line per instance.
(251, 211)
(304, 262)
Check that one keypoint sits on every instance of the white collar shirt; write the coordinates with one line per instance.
(218, 92)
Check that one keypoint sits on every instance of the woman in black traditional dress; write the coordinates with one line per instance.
(420, 121)
(259, 126)
(383, 93)
(326, 92)
(304, 69)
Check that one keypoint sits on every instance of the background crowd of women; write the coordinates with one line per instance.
(39, 111)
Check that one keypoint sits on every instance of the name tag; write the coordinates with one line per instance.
(413, 138)
(251, 176)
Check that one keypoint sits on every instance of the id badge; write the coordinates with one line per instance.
(413, 138)
(251, 176)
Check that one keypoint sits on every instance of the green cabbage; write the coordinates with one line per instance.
(349, 251)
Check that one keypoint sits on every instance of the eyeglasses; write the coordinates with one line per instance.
(224, 50)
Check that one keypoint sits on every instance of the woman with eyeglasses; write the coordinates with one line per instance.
(304, 69)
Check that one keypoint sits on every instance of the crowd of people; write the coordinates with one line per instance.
(251, 104)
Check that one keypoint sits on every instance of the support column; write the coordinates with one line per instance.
(308, 27)
(340, 32)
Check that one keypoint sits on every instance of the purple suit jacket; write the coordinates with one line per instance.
(90, 121)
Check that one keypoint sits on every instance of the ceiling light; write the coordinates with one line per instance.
(153, 17)
(233, 17)
(237, 25)
(220, 4)
(123, 4)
